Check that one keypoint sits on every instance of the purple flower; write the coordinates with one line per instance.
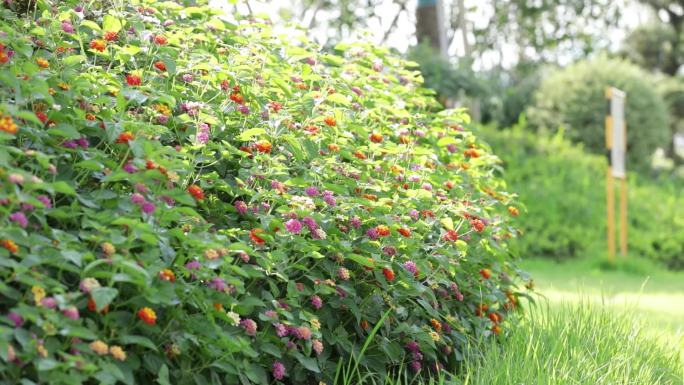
(27, 207)
(48, 302)
(278, 370)
(203, 131)
(45, 201)
(162, 119)
(67, 27)
(167, 199)
(70, 144)
(141, 188)
(411, 267)
(148, 207)
(187, 78)
(357, 91)
(218, 284)
(241, 207)
(281, 330)
(355, 222)
(413, 347)
(414, 213)
(427, 186)
(250, 326)
(137, 199)
(317, 302)
(243, 109)
(329, 199)
(71, 312)
(293, 226)
(372, 233)
(389, 251)
(193, 265)
(83, 142)
(310, 223)
(271, 314)
(168, 23)
(16, 318)
(452, 148)
(341, 292)
(19, 218)
(130, 168)
(311, 191)
(415, 366)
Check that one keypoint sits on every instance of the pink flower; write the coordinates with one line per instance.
(48, 302)
(19, 218)
(16, 318)
(278, 370)
(141, 188)
(130, 168)
(45, 201)
(71, 312)
(355, 222)
(16, 178)
(413, 347)
(137, 199)
(411, 267)
(243, 109)
(414, 213)
(343, 273)
(317, 302)
(218, 284)
(311, 191)
(293, 226)
(148, 207)
(67, 27)
(241, 207)
(281, 330)
(317, 346)
(303, 333)
(250, 326)
(310, 223)
(329, 199)
(187, 78)
(372, 233)
(193, 265)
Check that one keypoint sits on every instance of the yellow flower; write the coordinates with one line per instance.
(38, 294)
(315, 324)
(42, 63)
(42, 351)
(117, 352)
(211, 254)
(108, 249)
(434, 336)
(235, 317)
(63, 86)
(162, 109)
(99, 347)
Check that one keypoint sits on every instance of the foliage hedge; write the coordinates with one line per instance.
(562, 190)
(184, 199)
(574, 98)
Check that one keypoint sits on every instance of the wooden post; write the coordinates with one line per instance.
(610, 214)
(623, 217)
(616, 144)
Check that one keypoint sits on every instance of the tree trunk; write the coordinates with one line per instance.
(430, 24)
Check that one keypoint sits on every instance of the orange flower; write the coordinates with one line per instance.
(42, 63)
(218, 307)
(160, 40)
(330, 121)
(7, 125)
(375, 137)
(360, 155)
(254, 236)
(477, 225)
(92, 306)
(404, 139)
(98, 45)
(237, 98)
(449, 185)
(481, 310)
(125, 137)
(405, 232)
(471, 152)
(513, 211)
(389, 274)
(263, 146)
(364, 324)
(196, 191)
(383, 230)
(333, 147)
(133, 80)
(451, 236)
(167, 275)
(147, 315)
(495, 317)
(110, 36)
(436, 325)
(160, 66)
(485, 273)
(10, 246)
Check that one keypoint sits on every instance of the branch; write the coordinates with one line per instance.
(402, 8)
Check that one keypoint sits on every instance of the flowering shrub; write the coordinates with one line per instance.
(184, 199)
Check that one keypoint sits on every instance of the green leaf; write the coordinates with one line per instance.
(73, 59)
(138, 340)
(111, 24)
(103, 296)
(91, 24)
(249, 134)
(63, 187)
(163, 375)
(309, 363)
(363, 261)
(339, 99)
(447, 140)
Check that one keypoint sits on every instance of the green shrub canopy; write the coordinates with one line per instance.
(187, 200)
(574, 98)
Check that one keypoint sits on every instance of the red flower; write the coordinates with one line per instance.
(478, 225)
(275, 106)
(42, 116)
(150, 165)
(330, 121)
(263, 146)
(160, 66)
(389, 274)
(382, 230)
(254, 236)
(196, 191)
(98, 45)
(110, 36)
(364, 324)
(485, 273)
(10, 246)
(147, 315)
(160, 40)
(495, 317)
(133, 80)
(451, 236)
(237, 98)
(375, 137)
(92, 306)
(125, 137)
(481, 310)
(449, 185)
(405, 232)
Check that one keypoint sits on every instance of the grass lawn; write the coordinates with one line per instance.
(651, 294)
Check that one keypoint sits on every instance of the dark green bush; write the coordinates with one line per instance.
(563, 189)
(574, 98)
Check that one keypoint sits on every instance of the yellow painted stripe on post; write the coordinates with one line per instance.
(609, 132)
